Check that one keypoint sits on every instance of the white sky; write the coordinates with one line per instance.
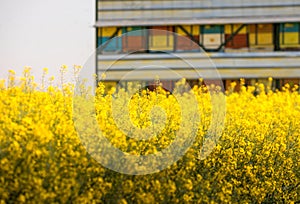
(45, 33)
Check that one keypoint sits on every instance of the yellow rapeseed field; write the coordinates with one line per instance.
(43, 159)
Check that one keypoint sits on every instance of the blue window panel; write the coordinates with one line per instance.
(210, 29)
(114, 44)
(289, 27)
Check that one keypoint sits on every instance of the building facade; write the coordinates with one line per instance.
(253, 40)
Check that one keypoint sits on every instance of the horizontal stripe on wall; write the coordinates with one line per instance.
(158, 4)
(206, 74)
(198, 13)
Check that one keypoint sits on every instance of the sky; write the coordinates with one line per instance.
(45, 33)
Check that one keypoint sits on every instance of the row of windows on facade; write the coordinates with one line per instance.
(254, 37)
(169, 85)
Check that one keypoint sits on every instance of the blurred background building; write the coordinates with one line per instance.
(245, 39)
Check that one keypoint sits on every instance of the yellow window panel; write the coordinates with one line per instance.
(180, 31)
(161, 42)
(289, 38)
(264, 38)
(109, 31)
(252, 39)
(196, 29)
(227, 29)
(237, 26)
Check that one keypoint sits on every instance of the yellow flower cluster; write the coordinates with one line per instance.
(44, 160)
